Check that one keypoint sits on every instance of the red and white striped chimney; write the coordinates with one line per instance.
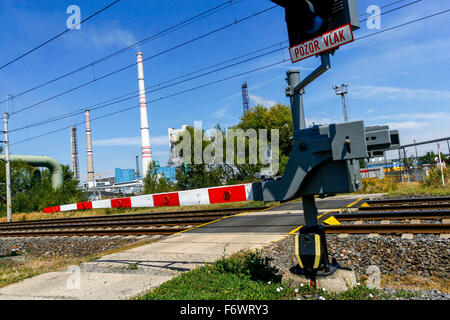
(146, 151)
(90, 160)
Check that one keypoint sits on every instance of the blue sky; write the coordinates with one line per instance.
(398, 78)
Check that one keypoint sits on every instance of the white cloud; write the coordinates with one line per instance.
(108, 34)
(396, 93)
(220, 113)
(407, 125)
(131, 141)
(416, 116)
(370, 111)
(262, 101)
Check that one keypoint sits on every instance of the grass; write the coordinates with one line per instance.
(111, 211)
(411, 282)
(415, 188)
(394, 188)
(244, 276)
(18, 268)
(247, 276)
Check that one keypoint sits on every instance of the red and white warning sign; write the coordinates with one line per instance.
(327, 41)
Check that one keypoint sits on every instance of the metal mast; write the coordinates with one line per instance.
(8, 173)
(342, 91)
(245, 97)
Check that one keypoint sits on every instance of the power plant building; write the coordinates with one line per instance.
(124, 175)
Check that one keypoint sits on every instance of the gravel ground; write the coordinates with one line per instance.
(425, 255)
(65, 246)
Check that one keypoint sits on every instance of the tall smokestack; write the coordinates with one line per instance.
(146, 151)
(90, 160)
(137, 167)
(75, 167)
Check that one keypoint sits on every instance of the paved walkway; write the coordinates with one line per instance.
(128, 273)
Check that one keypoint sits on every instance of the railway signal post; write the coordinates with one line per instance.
(324, 159)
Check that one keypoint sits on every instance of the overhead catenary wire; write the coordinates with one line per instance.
(145, 40)
(382, 7)
(111, 101)
(228, 78)
(57, 36)
(156, 100)
(162, 85)
(161, 53)
(392, 10)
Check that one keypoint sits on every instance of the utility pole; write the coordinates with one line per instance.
(8, 172)
(342, 91)
(415, 162)
(440, 164)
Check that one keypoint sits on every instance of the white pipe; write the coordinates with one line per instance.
(146, 151)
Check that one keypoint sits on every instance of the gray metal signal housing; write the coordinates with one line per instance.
(324, 159)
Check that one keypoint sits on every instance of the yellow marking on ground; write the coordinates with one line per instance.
(204, 224)
(353, 203)
(201, 225)
(331, 220)
(295, 230)
(365, 205)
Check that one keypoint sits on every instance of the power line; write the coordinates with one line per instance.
(231, 77)
(108, 102)
(151, 57)
(392, 10)
(58, 35)
(404, 24)
(382, 7)
(156, 100)
(135, 93)
(145, 40)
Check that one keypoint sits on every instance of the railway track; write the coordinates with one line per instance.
(396, 216)
(125, 224)
(436, 203)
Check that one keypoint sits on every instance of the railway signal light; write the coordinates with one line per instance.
(308, 19)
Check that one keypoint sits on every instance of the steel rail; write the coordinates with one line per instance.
(156, 215)
(429, 228)
(432, 214)
(37, 223)
(442, 206)
(94, 232)
(112, 224)
(408, 200)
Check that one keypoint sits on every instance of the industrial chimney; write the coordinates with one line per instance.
(146, 151)
(89, 150)
(75, 167)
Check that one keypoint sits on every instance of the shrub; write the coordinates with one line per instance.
(250, 264)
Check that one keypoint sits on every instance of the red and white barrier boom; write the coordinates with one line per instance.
(224, 194)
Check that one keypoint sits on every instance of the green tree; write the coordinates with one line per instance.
(430, 156)
(199, 175)
(31, 194)
(155, 184)
(277, 117)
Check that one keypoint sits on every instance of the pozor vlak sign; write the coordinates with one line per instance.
(322, 43)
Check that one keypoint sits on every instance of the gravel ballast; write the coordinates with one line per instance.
(65, 246)
(425, 256)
